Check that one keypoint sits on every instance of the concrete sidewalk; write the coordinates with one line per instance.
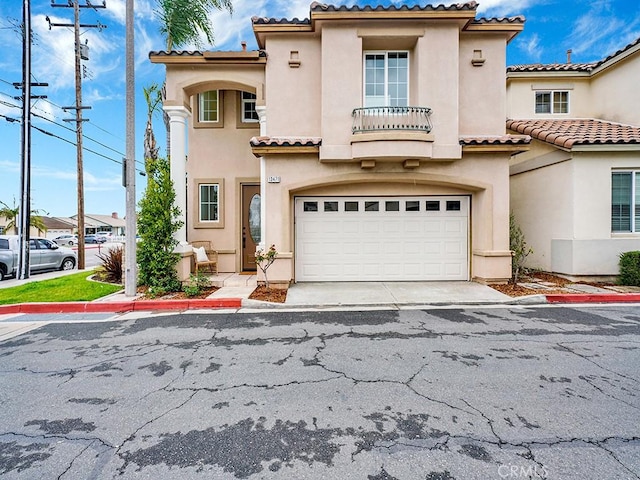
(235, 290)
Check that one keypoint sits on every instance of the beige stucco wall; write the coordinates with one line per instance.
(521, 97)
(221, 154)
(482, 97)
(564, 211)
(294, 92)
(615, 93)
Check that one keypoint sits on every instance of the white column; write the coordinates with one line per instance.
(262, 115)
(178, 157)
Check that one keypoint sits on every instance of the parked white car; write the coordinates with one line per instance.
(69, 240)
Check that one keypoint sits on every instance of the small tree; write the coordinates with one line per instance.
(519, 249)
(157, 224)
(265, 259)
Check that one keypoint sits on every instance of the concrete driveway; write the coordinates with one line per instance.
(391, 293)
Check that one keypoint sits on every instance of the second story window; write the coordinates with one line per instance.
(208, 106)
(248, 107)
(552, 102)
(386, 79)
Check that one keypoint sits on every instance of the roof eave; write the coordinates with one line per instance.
(606, 147)
(548, 73)
(509, 29)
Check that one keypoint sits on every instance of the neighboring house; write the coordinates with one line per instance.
(33, 231)
(576, 193)
(94, 223)
(58, 226)
(366, 143)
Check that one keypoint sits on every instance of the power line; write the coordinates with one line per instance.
(65, 127)
(70, 142)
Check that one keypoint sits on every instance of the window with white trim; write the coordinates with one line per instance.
(248, 107)
(625, 201)
(209, 201)
(208, 106)
(552, 102)
(386, 79)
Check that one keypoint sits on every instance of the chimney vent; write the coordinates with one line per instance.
(569, 56)
(244, 46)
(114, 215)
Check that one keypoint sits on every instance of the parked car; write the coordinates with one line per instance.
(95, 239)
(69, 240)
(108, 236)
(44, 254)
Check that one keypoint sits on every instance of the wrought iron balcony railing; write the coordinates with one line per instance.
(380, 119)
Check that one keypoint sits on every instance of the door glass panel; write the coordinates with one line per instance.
(254, 218)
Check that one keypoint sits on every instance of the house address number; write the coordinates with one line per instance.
(273, 179)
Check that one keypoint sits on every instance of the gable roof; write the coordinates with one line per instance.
(577, 132)
(589, 68)
(57, 223)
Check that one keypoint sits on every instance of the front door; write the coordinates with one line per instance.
(250, 225)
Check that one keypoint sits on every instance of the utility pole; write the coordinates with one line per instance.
(131, 275)
(78, 106)
(24, 212)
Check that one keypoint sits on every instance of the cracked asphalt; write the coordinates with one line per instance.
(434, 394)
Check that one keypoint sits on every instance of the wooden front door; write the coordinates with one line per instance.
(250, 225)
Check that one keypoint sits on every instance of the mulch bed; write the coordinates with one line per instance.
(204, 293)
(554, 284)
(274, 295)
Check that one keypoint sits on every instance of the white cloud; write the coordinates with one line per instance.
(531, 46)
(503, 8)
(598, 30)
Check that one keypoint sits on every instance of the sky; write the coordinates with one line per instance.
(592, 29)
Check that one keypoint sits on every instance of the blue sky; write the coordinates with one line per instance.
(592, 29)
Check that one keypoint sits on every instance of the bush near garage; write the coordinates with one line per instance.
(629, 268)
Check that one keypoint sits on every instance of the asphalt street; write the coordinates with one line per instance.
(435, 394)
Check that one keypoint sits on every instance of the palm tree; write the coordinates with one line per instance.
(181, 23)
(153, 97)
(11, 214)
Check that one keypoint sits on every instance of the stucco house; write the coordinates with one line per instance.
(367, 143)
(576, 192)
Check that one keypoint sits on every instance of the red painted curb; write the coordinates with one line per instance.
(593, 297)
(120, 307)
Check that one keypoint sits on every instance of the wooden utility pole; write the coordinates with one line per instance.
(78, 107)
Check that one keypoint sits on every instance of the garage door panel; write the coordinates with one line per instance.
(375, 245)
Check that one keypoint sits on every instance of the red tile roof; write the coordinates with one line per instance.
(286, 141)
(569, 67)
(496, 140)
(320, 7)
(574, 132)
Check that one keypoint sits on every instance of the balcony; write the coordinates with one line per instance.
(384, 119)
(391, 134)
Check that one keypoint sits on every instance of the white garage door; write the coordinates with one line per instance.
(382, 238)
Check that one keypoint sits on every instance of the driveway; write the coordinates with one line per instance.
(430, 394)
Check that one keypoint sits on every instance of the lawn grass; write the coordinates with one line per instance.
(68, 288)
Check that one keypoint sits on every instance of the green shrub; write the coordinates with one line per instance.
(196, 284)
(629, 268)
(157, 223)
